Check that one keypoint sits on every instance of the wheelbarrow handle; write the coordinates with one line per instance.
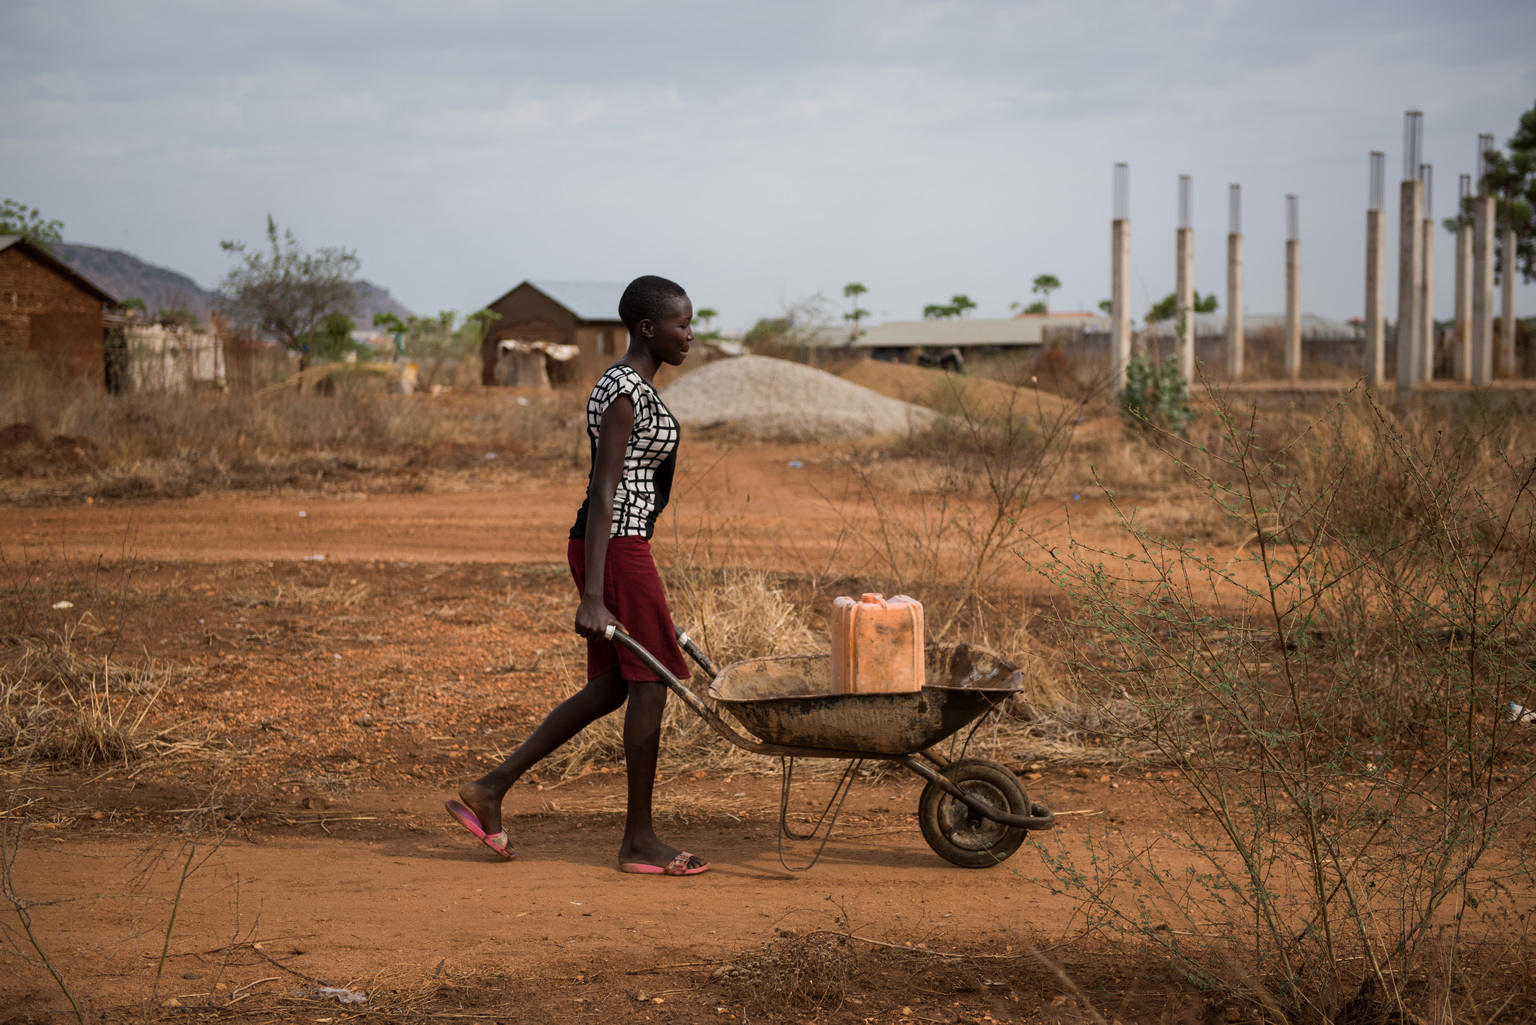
(699, 658)
(720, 726)
(676, 686)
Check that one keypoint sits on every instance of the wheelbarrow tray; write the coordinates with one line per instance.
(789, 700)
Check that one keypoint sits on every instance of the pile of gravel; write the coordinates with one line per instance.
(779, 398)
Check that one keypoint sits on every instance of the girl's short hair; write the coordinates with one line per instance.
(648, 298)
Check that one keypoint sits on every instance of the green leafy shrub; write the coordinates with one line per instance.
(1156, 395)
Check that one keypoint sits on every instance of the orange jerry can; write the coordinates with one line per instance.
(877, 645)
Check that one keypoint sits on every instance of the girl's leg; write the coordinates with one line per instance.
(600, 696)
(642, 743)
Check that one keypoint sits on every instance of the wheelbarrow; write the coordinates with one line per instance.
(974, 813)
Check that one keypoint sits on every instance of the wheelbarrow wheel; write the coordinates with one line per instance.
(959, 835)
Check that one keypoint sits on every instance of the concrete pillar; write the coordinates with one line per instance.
(1235, 340)
(1426, 344)
(1483, 212)
(1410, 280)
(1462, 351)
(1292, 308)
(1184, 322)
(1375, 297)
(1507, 328)
(1119, 301)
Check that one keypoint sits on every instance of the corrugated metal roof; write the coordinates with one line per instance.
(1312, 326)
(904, 334)
(38, 252)
(589, 300)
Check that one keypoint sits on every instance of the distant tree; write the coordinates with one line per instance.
(1512, 178)
(705, 315)
(958, 306)
(851, 292)
(767, 332)
(26, 221)
(286, 292)
(1107, 306)
(389, 322)
(442, 339)
(1167, 308)
(1036, 307)
(333, 339)
(1044, 285)
(805, 324)
(392, 324)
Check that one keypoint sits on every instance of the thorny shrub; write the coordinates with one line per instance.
(1343, 697)
(984, 466)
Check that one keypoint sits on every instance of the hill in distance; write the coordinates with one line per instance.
(162, 289)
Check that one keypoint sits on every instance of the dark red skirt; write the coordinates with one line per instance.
(632, 591)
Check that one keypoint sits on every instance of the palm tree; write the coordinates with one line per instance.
(852, 291)
(1044, 285)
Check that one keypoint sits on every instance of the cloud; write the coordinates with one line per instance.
(755, 151)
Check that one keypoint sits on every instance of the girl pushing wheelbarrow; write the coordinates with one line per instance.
(633, 439)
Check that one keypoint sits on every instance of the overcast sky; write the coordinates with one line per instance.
(755, 152)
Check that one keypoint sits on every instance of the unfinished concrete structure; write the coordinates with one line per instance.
(1234, 282)
(1375, 274)
(1508, 331)
(1120, 281)
(1184, 291)
(1292, 287)
(1461, 349)
(1410, 257)
(1483, 213)
(1425, 343)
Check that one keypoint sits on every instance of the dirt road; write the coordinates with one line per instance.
(379, 892)
(343, 699)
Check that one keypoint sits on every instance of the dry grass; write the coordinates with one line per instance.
(58, 707)
(804, 973)
(327, 596)
(70, 442)
(732, 614)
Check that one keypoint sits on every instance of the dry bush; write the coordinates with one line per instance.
(973, 476)
(1338, 700)
(801, 973)
(732, 614)
(71, 442)
(58, 707)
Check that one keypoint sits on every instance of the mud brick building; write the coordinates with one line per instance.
(580, 313)
(50, 314)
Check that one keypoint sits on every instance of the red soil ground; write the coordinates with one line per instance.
(350, 695)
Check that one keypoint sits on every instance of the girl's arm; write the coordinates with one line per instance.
(592, 616)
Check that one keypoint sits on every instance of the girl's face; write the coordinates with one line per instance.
(672, 334)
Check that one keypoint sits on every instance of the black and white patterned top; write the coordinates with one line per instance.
(650, 457)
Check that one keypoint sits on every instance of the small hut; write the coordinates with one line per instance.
(584, 314)
(50, 313)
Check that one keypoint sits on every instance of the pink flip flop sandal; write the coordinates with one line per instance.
(498, 842)
(678, 866)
